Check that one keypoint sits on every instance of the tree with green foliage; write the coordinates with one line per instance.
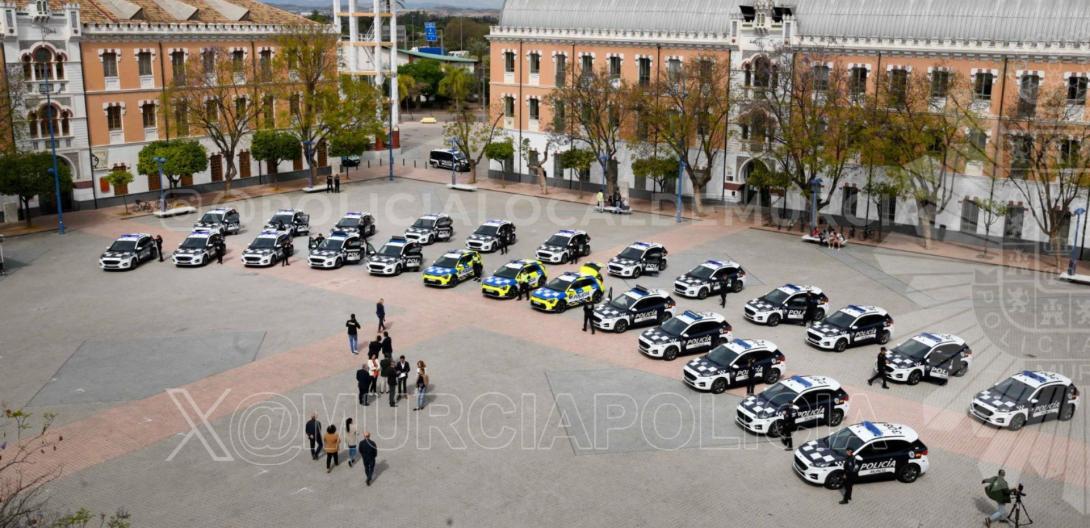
(183, 157)
(502, 151)
(467, 130)
(881, 189)
(764, 178)
(273, 147)
(456, 85)
(662, 170)
(428, 74)
(407, 91)
(29, 174)
(118, 178)
(579, 160)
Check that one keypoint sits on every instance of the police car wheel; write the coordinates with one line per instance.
(841, 345)
(819, 315)
(621, 326)
(908, 473)
(338, 263)
(836, 417)
(597, 297)
(670, 354)
(961, 371)
(637, 272)
(772, 376)
(561, 306)
(774, 320)
(719, 386)
(702, 294)
(1067, 412)
(883, 337)
(397, 269)
(776, 429)
(1017, 422)
(736, 286)
(915, 377)
(835, 480)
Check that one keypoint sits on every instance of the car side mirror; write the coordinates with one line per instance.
(1033, 400)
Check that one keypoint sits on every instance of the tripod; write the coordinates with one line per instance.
(1018, 510)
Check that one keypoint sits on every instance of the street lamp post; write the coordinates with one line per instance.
(310, 170)
(453, 164)
(390, 141)
(604, 161)
(677, 203)
(1071, 266)
(159, 160)
(46, 88)
(815, 190)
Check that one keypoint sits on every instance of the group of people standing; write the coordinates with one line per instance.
(329, 442)
(380, 374)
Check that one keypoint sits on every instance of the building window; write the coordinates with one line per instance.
(1069, 153)
(615, 67)
(559, 119)
(535, 63)
(293, 105)
(561, 69)
(269, 106)
(859, 81)
(759, 73)
(508, 106)
(44, 65)
(645, 71)
(1076, 90)
(850, 202)
(673, 70)
(211, 110)
(898, 86)
(147, 112)
(588, 64)
(978, 143)
(181, 118)
(109, 64)
(143, 62)
(113, 118)
(177, 66)
(264, 63)
(238, 58)
(940, 84)
(535, 109)
(208, 61)
(821, 78)
(1027, 95)
(1021, 155)
(982, 86)
(970, 213)
(509, 62)
(240, 109)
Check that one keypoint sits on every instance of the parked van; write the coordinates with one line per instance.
(449, 159)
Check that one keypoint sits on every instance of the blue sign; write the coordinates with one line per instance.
(430, 34)
(433, 50)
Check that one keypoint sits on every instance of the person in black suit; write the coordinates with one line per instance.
(363, 383)
(724, 285)
(751, 376)
(851, 472)
(787, 426)
(882, 366)
(159, 246)
(387, 346)
(313, 429)
(503, 245)
(221, 248)
(588, 313)
(402, 367)
(369, 452)
(811, 310)
(328, 183)
(337, 183)
(386, 368)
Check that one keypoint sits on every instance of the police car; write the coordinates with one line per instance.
(569, 289)
(853, 325)
(688, 333)
(1027, 397)
(488, 235)
(199, 248)
(707, 278)
(929, 356)
(431, 228)
(268, 248)
(728, 365)
(786, 304)
(452, 268)
(356, 222)
(638, 258)
(564, 246)
(224, 220)
(128, 252)
(817, 400)
(503, 284)
(395, 256)
(883, 451)
(640, 306)
(339, 249)
(295, 222)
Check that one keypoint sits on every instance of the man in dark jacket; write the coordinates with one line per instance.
(363, 383)
(380, 312)
(159, 246)
(851, 472)
(478, 270)
(811, 310)
(503, 245)
(369, 452)
(751, 376)
(374, 348)
(724, 285)
(523, 287)
(386, 370)
(314, 435)
(387, 346)
(997, 490)
(353, 339)
(588, 314)
(328, 183)
(221, 248)
(787, 426)
(882, 366)
(402, 368)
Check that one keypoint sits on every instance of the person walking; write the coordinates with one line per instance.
(288, 250)
(997, 490)
(363, 383)
(811, 310)
(787, 426)
(421, 384)
(724, 285)
(159, 246)
(387, 346)
(881, 365)
(402, 367)
(374, 347)
(221, 248)
(368, 452)
(600, 198)
(374, 369)
(389, 376)
(751, 376)
(332, 447)
(503, 245)
(353, 339)
(851, 472)
(380, 312)
(328, 183)
(478, 270)
(351, 437)
(588, 317)
(313, 430)
(337, 183)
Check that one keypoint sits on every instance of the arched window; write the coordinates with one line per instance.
(39, 121)
(32, 123)
(762, 72)
(43, 64)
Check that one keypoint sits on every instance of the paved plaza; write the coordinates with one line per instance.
(182, 393)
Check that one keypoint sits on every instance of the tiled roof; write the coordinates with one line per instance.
(170, 11)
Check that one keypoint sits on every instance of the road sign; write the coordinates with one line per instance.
(430, 33)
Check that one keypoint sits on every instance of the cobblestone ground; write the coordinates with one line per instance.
(181, 393)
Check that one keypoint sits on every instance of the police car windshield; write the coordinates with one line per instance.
(1012, 389)
(331, 244)
(623, 302)
(487, 230)
(123, 246)
(631, 253)
(263, 243)
(779, 395)
(507, 272)
(391, 250)
(840, 320)
(211, 218)
(446, 262)
(285, 219)
(674, 326)
(701, 272)
(843, 440)
(349, 222)
(775, 297)
(913, 349)
(559, 284)
(722, 356)
(194, 242)
(424, 223)
(557, 240)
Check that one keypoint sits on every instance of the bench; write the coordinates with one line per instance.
(175, 211)
(614, 210)
(1076, 278)
(817, 240)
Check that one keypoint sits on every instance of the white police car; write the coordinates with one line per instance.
(224, 220)
(883, 451)
(928, 356)
(640, 306)
(356, 222)
(339, 249)
(1027, 397)
(817, 400)
(488, 235)
(268, 248)
(564, 246)
(638, 258)
(708, 277)
(853, 325)
(395, 256)
(787, 304)
(297, 223)
(688, 333)
(728, 364)
(431, 228)
(128, 252)
(198, 249)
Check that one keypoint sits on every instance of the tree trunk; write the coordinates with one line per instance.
(1056, 243)
(472, 172)
(924, 217)
(26, 210)
(698, 204)
(228, 175)
(125, 200)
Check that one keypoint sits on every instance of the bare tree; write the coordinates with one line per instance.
(22, 472)
(466, 129)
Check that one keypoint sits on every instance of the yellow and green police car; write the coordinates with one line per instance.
(570, 289)
(503, 284)
(452, 268)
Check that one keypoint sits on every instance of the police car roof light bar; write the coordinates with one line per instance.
(692, 315)
(744, 344)
(931, 336)
(872, 428)
(801, 381)
(1034, 376)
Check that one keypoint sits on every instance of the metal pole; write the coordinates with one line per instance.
(680, 175)
(310, 171)
(1071, 266)
(47, 87)
(815, 188)
(390, 142)
(453, 164)
(159, 160)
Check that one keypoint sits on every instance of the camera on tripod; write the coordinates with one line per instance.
(1018, 509)
(1018, 493)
